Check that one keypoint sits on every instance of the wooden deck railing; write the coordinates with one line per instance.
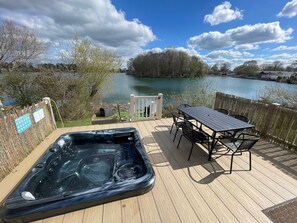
(145, 107)
(17, 140)
(273, 122)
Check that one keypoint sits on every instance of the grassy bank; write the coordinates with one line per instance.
(82, 122)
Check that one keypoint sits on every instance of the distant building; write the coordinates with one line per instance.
(281, 76)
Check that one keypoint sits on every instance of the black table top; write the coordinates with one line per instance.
(216, 121)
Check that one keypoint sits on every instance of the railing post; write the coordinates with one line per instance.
(47, 101)
(159, 106)
(132, 108)
(1, 110)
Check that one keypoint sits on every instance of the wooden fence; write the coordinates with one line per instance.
(273, 122)
(16, 143)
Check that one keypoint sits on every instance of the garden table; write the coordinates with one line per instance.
(216, 121)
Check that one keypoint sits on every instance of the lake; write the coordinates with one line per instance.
(121, 86)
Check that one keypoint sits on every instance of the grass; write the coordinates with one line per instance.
(82, 122)
(88, 120)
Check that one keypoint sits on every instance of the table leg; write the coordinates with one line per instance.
(213, 143)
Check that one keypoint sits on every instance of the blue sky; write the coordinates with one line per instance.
(217, 31)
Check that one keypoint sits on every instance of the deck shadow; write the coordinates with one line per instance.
(280, 157)
(178, 158)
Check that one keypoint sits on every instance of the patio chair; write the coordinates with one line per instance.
(241, 117)
(193, 134)
(243, 143)
(177, 122)
(224, 111)
(180, 112)
(184, 105)
(233, 133)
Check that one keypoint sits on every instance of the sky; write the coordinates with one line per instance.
(216, 31)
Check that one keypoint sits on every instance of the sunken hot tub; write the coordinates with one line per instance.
(79, 170)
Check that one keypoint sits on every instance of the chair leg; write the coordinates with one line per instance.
(231, 163)
(175, 134)
(191, 151)
(171, 128)
(250, 160)
(179, 141)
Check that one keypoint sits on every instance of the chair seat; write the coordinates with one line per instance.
(243, 143)
(199, 136)
(193, 134)
(231, 145)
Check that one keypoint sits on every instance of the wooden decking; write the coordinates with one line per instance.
(189, 191)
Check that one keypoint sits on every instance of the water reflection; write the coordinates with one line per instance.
(123, 85)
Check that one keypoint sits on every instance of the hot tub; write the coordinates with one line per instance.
(79, 170)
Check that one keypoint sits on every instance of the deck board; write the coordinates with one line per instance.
(202, 176)
(93, 214)
(185, 191)
(112, 212)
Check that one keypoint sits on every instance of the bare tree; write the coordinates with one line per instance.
(277, 65)
(18, 45)
(273, 94)
(94, 64)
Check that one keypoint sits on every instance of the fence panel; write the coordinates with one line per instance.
(15, 146)
(278, 124)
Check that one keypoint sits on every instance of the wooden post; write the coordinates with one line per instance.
(1, 110)
(159, 106)
(132, 108)
(47, 101)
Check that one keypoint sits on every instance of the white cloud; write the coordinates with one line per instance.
(98, 20)
(224, 54)
(154, 50)
(280, 48)
(191, 52)
(290, 10)
(222, 14)
(248, 34)
(246, 47)
(211, 40)
(283, 56)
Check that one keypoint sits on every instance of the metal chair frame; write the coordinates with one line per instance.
(243, 143)
(193, 134)
(177, 122)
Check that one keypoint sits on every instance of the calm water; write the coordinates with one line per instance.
(121, 86)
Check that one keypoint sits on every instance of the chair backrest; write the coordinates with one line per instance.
(224, 111)
(174, 117)
(247, 143)
(190, 133)
(241, 117)
(187, 130)
(184, 105)
(184, 115)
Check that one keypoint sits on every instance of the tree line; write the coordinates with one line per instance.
(168, 63)
(29, 67)
(251, 68)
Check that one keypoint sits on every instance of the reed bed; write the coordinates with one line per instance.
(15, 147)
